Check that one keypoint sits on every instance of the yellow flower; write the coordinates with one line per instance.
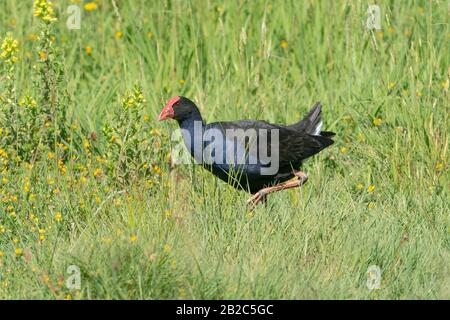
(88, 50)
(155, 132)
(149, 35)
(146, 117)
(391, 85)
(68, 297)
(359, 186)
(26, 186)
(445, 84)
(439, 166)
(41, 237)
(377, 121)
(97, 172)
(44, 10)
(156, 169)
(284, 44)
(33, 37)
(181, 82)
(58, 216)
(360, 137)
(371, 205)
(133, 238)
(18, 251)
(391, 30)
(344, 149)
(419, 93)
(166, 248)
(50, 155)
(9, 49)
(1, 254)
(42, 55)
(118, 34)
(90, 6)
(56, 190)
(371, 188)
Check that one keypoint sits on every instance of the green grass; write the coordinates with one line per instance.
(193, 236)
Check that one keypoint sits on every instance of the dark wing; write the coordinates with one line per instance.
(294, 146)
(291, 147)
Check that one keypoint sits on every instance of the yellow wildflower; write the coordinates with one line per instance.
(97, 172)
(18, 251)
(445, 84)
(377, 121)
(284, 44)
(371, 188)
(359, 186)
(133, 238)
(156, 169)
(118, 34)
(26, 186)
(44, 10)
(9, 49)
(58, 216)
(155, 132)
(42, 55)
(90, 6)
(88, 50)
(33, 37)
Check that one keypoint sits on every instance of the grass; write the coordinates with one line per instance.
(379, 196)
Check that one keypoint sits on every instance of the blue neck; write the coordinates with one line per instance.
(192, 131)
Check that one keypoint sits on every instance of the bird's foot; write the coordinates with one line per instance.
(258, 197)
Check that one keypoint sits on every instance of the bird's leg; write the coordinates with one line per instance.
(262, 194)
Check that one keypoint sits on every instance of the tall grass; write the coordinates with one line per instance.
(379, 196)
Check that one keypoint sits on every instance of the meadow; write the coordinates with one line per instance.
(91, 207)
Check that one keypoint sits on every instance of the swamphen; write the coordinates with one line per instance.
(253, 155)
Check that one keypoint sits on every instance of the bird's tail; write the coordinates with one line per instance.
(312, 123)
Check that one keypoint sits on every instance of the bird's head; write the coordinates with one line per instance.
(178, 108)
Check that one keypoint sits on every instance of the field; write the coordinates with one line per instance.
(92, 209)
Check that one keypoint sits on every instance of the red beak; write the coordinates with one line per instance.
(167, 112)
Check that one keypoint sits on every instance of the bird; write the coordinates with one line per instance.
(252, 155)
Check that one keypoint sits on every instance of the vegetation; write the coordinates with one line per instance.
(85, 173)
